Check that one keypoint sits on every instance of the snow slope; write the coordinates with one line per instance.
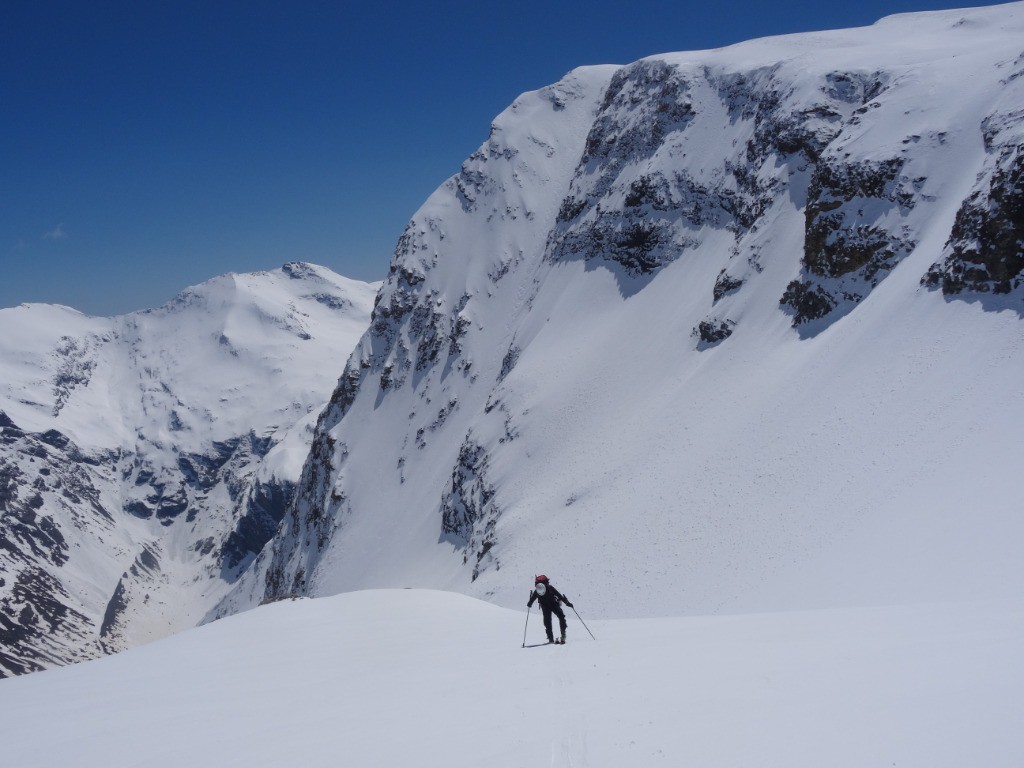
(418, 678)
(732, 330)
(146, 458)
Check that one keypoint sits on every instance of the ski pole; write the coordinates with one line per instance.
(582, 622)
(527, 624)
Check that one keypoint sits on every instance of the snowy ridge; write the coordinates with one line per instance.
(716, 331)
(145, 458)
(408, 677)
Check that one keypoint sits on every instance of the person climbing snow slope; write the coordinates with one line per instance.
(549, 599)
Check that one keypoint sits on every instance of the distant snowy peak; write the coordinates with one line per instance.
(146, 458)
(274, 291)
(251, 323)
(653, 282)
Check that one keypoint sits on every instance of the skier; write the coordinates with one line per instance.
(549, 597)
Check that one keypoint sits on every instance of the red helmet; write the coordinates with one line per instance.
(542, 579)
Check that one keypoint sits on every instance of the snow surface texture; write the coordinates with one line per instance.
(733, 330)
(146, 458)
(432, 679)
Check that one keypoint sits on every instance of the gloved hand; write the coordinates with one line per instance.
(568, 603)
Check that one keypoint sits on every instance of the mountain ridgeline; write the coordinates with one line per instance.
(725, 330)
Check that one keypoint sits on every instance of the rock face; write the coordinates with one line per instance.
(985, 250)
(848, 247)
(623, 323)
(47, 486)
(146, 459)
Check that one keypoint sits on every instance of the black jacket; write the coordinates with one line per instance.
(549, 600)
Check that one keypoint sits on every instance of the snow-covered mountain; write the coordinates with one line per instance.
(715, 331)
(735, 332)
(145, 459)
(712, 332)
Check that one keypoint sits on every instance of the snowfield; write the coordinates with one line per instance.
(422, 678)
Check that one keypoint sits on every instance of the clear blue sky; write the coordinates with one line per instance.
(147, 146)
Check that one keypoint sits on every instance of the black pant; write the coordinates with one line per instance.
(557, 610)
